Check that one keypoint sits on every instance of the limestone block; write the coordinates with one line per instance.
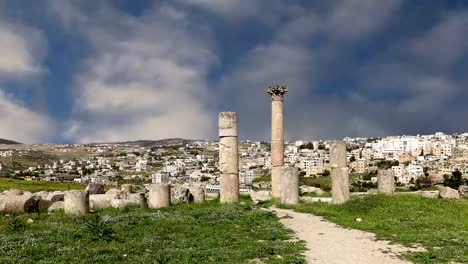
(448, 193)
(228, 155)
(276, 181)
(229, 185)
(463, 190)
(159, 196)
(56, 206)
(290, 185)
(386, 181)
(56, 196)
(310, 189)
(127, 188)
(338, 154)
(76, 202)
(137, 199)
(277, 153)
(15, 192)
(197, 194)
(42, 194)
(228, 124)
(11, 203)
(95, 188)
(340, 185)
(260, 196)
(114, 193)
(179, 194)
(100, 201)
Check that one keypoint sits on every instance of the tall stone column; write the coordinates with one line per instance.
(228, 157)
(339, 172)
(277, 137)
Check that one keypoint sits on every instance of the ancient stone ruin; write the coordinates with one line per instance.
(339, 172)
(228, 157)
(386, 181)
(290, 186)
(277, 93)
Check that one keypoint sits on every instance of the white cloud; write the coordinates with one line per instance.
(148, 83)
(21, 51)
(21, 124)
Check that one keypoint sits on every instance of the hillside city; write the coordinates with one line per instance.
(416, 161)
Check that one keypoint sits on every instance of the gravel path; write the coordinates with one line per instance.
(329, 243)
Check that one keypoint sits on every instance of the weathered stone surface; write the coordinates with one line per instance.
(277, 153)
(260, 196)
(197, 193)
(276, 181)
(56, 196)
(42, 194)
(56, 206)
(133, 199)
(11, 203)
(338, 154)
(386, 181)
(463, 190)
(15, 192)
(228, 124)
(303, 189)
(95, 188)
(100, 201)
(448, 193)
(228, 155)
(127, 188)
(340, 185)
(229, 185)
(159, 196)
(114, 193)
(179, 194)
(290, 186)
(76, 202)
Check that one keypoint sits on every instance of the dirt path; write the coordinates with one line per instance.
(329, 243)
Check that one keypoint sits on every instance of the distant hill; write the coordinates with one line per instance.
(8, 142)
(155, 143)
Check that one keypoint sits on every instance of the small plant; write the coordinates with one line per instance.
(99, 229)
(162, 259)
(16, 222)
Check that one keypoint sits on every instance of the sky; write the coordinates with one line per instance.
(98, 71)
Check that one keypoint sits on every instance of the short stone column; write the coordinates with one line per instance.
(76, 202)
(127, 188)
(385, 181)
(290, 186)
(159, 195)
(277, 93)
(197, 193)
(339, 172)
(228, 157)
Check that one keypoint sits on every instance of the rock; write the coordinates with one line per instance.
(114, 193)
(160, 195)
(28, 193)
(260, 196)
(15, 192)
(133, 199)
(17, 204)
(386, 181)
(76, 202)
(95, 188)
(359, 220)
(463, 190)
(42, 194)
(310, 189)
(56, 196)
(197, 194)
(448, 193)
(43, 205)
(29, 221)
(100, 201)
(56, 207)
(179, 194)
(128, 188)
(289, 185)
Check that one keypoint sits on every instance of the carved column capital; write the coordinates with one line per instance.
(277, 92)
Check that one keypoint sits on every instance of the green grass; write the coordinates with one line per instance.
(187, 233)
(440, 226)
(325, 194)
(36, 186)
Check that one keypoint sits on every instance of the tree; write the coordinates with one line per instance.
(326, 173)
(453, 181)
(352, 159)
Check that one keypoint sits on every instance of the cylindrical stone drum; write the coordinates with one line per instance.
(159, 196)
(229, 188)
(340, 185)
(290, 186)
(76, 202)
(338, 154)
(385, 181)
(198, 193)
(276, 181)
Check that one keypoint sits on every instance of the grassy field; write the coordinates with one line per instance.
(187, 233)
(441, 226)
(36, 186)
